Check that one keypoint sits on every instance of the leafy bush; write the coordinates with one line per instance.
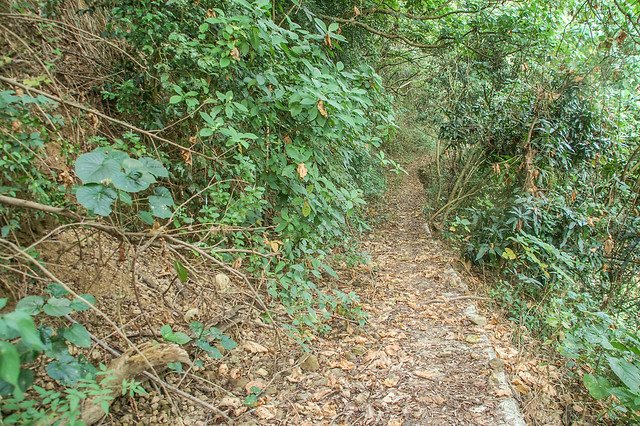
(609, 349)
(23, 168)
(278, 136)
(24, 345)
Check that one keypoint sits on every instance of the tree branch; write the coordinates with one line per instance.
(26, 204)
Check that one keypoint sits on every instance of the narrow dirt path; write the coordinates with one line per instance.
(421, 360)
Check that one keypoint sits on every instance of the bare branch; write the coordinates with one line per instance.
(26, 204)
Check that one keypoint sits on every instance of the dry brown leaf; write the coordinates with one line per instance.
(413, 305)
(392, 350)
(527, 377)
(321, 394)
(186, 156)
(234, 373)
(223, 369)
(425, 374)
(346, 364)
(266, 412)
(502, 392)
(235, 53)
(391, 381)
(287, 139)
(609, 245)
(254, 347)
(254, 384)
(191, 314)
(505, 353)
(322, 109)
(327, 40)
(237, 263)
(296, 375)
(329, 410)
(356, 11)
(223, 282)
(302, 170)
(240, 410)
(230, 402)
(66, 178)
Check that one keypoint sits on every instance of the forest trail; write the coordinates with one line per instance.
(421, 359)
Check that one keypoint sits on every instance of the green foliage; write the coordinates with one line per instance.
(205, 339)
(23, 169)
(109, 175)
(55, 407)
(295, 135)
(607, 346)
(34, 341)
(28, 340)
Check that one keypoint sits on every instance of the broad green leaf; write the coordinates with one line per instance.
(176, 337)
(58, 307)
(227, 343)
(509, 254)
(94, 167)
(131, 182)
(9, 363)
(165, 330)
(183, 274)
(57, 290)
(22, 322)
(180, 338)
(628, 373)
(175, 366)
(146, 217)
(98, 199)
(3, 302)
(79, 305)
(209, 349)
(598, 387)
(125, 198)
(196, 327)
(160, 203)
(78, 335)
(154, 167)
(306, 209)
(69, 372)
(30, 304)
(205, 132)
